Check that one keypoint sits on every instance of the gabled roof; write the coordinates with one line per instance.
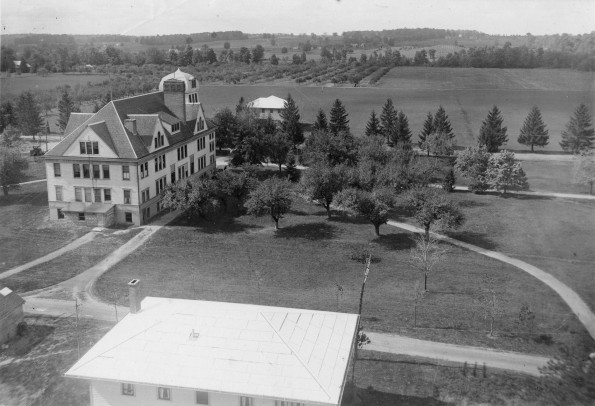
(101, 130)
(75, 120)
(271, 102)
(260, 351)
(8, 300)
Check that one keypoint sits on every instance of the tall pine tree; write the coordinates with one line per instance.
(65, 107)
(373, 127)
(579, 134)
(427, 130)
(442, 123)
(320, 124)
(388, 120)
(339, 121)
(533, 131)
(403, 133)
(28, 115)
(290, 121)
(492, 134)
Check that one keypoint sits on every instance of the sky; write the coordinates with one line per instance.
(152, 17)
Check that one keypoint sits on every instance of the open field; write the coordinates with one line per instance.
(26, 233)
(465, 105)
(556, 235)
(32, 368)
(243, 260)
(15, 84)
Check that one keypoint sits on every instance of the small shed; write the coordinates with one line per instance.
(11, 313)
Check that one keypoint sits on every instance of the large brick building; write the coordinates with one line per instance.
(112, 166)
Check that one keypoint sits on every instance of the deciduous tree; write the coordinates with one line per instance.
(426, 255)
(324, 146)
(257, 53)
(279, 145)
(504, 173)
(7, 115)
(579, 133)
(432, 207)
(584, 169)
(373, 126)
(533, 131)
(322, 182)
(12, 168)
(492, 134)
(373, 205)
(226, 124)
(273, 197)
(339, 121)
(489, 298)
(472, 163)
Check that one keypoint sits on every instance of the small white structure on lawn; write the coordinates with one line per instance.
(216, 353)
(268, 106)
(11, 313)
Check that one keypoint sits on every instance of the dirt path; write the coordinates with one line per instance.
(52, 255)
(572, 299)
(512, 361)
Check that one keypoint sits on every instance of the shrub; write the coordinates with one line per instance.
(21, 329)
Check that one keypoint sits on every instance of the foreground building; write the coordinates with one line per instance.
(11, 313)
(192, 352)
(268, 106)
(112, 166)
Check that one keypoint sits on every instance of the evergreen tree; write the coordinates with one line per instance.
(7, 115)
(442, 123)
(65, 107)
(491, 133)
(290, 123)
(388, 120)
(402, 135)
(320, 124)
(241, 106)
(533, 131)
(373, 127)
(427, 130)
(28, 115)
(338, 121)
(579, 134)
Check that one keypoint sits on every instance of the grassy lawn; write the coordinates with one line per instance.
(308, 260)
(26, 233)
(70, 264)
(556, 235)
(32, 368)
(387, 379)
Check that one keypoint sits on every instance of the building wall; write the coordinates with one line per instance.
(109, 394)
(264, 113)
(9, 323)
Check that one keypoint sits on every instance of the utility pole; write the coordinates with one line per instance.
(361, 302)
(116, 309)
(78, 343)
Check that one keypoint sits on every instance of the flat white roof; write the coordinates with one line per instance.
(271, 102)
(259, 351)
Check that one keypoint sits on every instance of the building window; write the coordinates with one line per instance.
(212, 159)
(128, 216)
(107, 195)
(202, 398)
(193, 83)
(89, 148)
(59, 193)
(76, 169)
(163, 393)
(82, 216)
(105, 171)
(212, 146)
(211, 136)
(145, 195)
(246, 401)
(60, 214)
(78, 194)
(182, 152)
(57, 171)
(286, 403)
(86, 173)
(191, 164)
(126, 196)
(125, 172)
(97, 193)
(201, 144)
(144, 170)
(175, 127)
(173, 173)
(88, 193)
(128, 388)
(96, 173)
(159, 140)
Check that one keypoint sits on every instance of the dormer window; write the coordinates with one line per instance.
(201, 124)
(193, 83)
(193, 98)
(175, 127)
(89, 148)
(159, 140)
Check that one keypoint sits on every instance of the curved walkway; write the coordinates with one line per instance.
(534, 193)
(572, 299)
(52, 255)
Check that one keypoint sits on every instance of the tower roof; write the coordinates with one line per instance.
(182, 76)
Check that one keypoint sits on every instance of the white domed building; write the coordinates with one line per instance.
(112, 166)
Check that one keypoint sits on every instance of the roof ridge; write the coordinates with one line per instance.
(124, 129)
(295, 353)
(136, 95)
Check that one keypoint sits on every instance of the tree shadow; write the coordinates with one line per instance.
(343, 218)
(221, 225)
(396, 241)
(371, 396)
(472, 203)
(29, 198)
(470, 237)
(309, 231)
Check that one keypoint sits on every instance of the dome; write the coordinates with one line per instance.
(187, 78)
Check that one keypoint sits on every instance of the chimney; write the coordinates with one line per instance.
(174, 97)
(130, 124)
(134, 295)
